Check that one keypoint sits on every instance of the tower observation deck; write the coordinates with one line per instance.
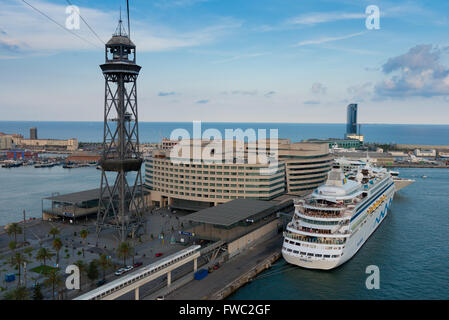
(124, 210)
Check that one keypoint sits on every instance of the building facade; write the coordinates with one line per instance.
(351, 120)
(33, 133)
(70, 144)
(301, 167)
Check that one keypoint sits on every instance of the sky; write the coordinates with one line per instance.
(232, 60)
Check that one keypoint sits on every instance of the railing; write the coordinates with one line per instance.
(125, 281)
(312, 240)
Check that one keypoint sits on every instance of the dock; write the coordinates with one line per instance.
(231, 275)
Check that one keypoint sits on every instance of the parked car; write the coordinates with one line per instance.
(160, 298)
(120, 271)
(128, 268)
(101, 282)
(159, 254)
(137, 264)
(216, 267)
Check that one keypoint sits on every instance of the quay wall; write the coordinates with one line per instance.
(246, 277)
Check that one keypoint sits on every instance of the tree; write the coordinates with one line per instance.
(54, 231)
(83, 234)
(82, 267)
(12, 245)
(37, 293)
(92, 270)
(57, 245)
(124, 251)
(14, 229)
(20, 293)
(105, 263)
(17, 261)
(43, 254)
(53, 280)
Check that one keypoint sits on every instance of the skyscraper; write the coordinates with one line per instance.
(33, 133)
(351, 122)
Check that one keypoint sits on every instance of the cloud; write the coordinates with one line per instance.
(165, 94)
(360, 92)
(320, 17)
(244, 92)
(312, 102)
(318, 88)
(35, 33)
(418, 72)
(269, 94)
(203, 101)
(327, 39)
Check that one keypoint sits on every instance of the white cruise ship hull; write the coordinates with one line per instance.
(359, 236)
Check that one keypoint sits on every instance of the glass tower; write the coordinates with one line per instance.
(351, 122)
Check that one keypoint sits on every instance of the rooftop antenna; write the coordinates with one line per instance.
(127, 10)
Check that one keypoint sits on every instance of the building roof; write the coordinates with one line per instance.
(81, 196)
(76, 197)
(234, 211)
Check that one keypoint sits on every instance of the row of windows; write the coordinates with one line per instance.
(309, 254)
(204, 166)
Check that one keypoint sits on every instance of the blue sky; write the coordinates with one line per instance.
(233, 60)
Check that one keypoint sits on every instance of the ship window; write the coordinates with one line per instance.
(303, 253)
(318, 255)
(295, 251)
(310, 254)
(327, 256)
(289, 250)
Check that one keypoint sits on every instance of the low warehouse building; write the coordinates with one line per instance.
(239, 223)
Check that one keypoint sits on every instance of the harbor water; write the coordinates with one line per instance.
(410, 248)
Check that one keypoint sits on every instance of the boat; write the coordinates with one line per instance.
(12, 164)
(332, 224)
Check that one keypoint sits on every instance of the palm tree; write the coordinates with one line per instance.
(105, 263)
(43, 254)
(12, 246)
(92, 270)
(20, 293)
(37, 293)
(17, 261)
(57, 245)
(83, 234)
(54, 231)
(53, 280)
(15, 229)
(124, 251)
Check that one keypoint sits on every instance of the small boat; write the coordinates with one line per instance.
(424, 177)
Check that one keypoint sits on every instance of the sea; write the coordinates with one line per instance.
(410, 247)
(155, 131)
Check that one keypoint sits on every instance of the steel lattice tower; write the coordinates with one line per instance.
(121, 205)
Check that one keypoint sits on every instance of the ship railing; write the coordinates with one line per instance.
(321, 213)
(313, 240)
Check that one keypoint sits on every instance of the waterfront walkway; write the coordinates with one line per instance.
(229, 272)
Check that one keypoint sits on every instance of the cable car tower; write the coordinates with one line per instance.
(121, 204)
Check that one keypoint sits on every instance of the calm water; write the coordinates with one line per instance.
(24, 188)
(155, 131)
(410, 248)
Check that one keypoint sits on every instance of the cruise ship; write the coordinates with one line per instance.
(349, 165)
(332, 224)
